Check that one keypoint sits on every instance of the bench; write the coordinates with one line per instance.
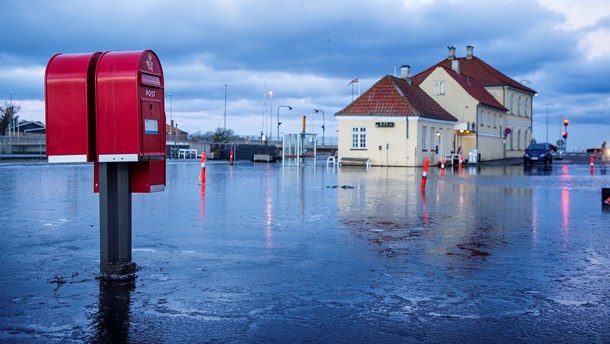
(262, 158)
(184, 153)
(452, 159)
(346, 161)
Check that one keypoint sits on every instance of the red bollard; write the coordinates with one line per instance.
(231, 158)
(202, 174)
(460, 165)
(425, 174)
(592, 161)
(442, 167)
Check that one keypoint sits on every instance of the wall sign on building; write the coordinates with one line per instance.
(384, 124)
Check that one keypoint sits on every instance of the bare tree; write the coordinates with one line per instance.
(8, 113)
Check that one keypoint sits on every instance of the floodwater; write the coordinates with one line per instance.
(264, 253)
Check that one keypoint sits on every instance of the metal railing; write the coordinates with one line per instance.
(22, 146)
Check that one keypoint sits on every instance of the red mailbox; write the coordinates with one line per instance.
(130, 107)
(70, 107)
(131, 117)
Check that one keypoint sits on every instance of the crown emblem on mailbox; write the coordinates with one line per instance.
(149, 63)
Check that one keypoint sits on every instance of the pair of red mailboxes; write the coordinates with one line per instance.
(105, 108)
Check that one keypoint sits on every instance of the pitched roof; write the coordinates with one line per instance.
(478, 69)
(391, 96)
(475, 89)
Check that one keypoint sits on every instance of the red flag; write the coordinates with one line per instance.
(354, 81)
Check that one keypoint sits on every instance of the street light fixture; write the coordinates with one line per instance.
(323, 124)
(278, 119)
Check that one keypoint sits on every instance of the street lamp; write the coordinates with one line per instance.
(270, 115)
(278, 119)
(225, 127)
(323, 124)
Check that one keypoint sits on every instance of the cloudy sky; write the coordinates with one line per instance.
(307, 52)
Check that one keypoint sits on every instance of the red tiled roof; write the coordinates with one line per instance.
(476, 90)
(392, 96)
(478, 69)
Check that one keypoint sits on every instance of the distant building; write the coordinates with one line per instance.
(462, 105)
(28, 128)
(172, 133)
(395, 123)
(494, 112)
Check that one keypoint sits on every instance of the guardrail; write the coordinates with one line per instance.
(22, 147)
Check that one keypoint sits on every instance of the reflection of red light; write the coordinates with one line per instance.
(202, 203)
(565, 170)
(426, 217)
(565, 213)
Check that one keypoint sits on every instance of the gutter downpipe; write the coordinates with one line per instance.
(477, 133)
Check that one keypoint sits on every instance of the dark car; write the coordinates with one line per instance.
(539, 152)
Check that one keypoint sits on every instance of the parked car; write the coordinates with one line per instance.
(539, 152)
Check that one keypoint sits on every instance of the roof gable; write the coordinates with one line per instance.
(476, 68)
(475, 89)
(391, 96)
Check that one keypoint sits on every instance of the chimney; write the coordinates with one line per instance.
(404, 72)
(469, 52)
(451, 53)
(455, 65)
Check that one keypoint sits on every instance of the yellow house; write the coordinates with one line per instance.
(494, 112)
(395, 123)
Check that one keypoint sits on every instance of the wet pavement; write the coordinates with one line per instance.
(263, 254)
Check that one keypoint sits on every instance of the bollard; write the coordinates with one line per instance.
(592, 161)
(202, 174)
(231, 158)
(425, 174)
(460, 165)
(442, 167)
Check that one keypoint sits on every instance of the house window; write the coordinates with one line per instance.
(358, 137)
(510, 105)
(424, 137)
(526, 107)
(519, 139)
(519, 105)
(438, 88)
(432, 133)
(482, 115)
(511, 141)
(495, 120)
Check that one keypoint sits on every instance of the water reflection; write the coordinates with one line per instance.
(451, 218)
(113, 316)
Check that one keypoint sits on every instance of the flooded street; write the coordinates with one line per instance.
(265, 253)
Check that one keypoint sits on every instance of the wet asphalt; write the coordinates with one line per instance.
(264, 253)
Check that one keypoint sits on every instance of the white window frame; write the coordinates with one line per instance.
(359, 138)
(519, 105)
(526, 107)
(511, 101)
(432, 138)
(424, 138)
(438, 88)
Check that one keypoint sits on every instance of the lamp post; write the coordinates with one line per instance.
(547, 122)
(278, 119)
(270, 115)
(225, 126)
(323, 124)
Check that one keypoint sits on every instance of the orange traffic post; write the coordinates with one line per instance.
(460, 165)
(442, 167)
(202, 173)
(425, 174)
(592, 163)
(231, 158)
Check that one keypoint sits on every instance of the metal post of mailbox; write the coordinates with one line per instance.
(115, 219)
